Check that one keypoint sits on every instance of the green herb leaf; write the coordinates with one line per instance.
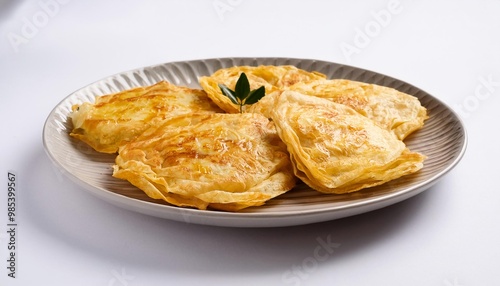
(242, 87)
(229, 93)
(242, 95)
(255, 95)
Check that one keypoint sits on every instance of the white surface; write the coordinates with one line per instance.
(446, 236)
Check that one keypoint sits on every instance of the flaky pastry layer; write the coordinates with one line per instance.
(221, 161)
(115, 119)
(334, 149)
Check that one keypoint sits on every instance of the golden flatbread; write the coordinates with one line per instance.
(115, 119)
(220, 161)
(393, 110)
(334, 149)
(271, 77)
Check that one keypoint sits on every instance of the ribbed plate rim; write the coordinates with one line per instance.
(252, 219)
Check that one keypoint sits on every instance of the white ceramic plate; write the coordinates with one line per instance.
(443, 139)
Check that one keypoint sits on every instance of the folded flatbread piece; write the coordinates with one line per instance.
(115, 119)
(393, 110)
(219, 161)
(271, 77)
(334, 149)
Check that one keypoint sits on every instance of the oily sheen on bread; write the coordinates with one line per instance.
(391, 109)
(115, 119)
(219, 161)
(334, 149)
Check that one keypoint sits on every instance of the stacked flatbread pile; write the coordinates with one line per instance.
(194, 148)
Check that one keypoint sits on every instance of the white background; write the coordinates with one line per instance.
(446, 236)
